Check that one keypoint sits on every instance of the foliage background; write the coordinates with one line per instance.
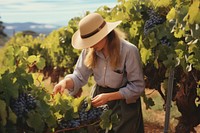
(26, 62)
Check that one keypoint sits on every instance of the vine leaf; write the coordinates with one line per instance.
(171, 14)
(105, 120)
(76, 103)
(3, 113)
(115, 119)
(145, 55)
(41, 63)
(32, 59)
(161, 3)
(35, 121)
(89, 104)
(193, 12)
(12, 116)
(24, 49)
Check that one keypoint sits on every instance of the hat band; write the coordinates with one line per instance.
(94, 32)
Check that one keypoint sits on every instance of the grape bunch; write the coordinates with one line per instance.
(164, 41)
(23, 104)
(69, 123)
(85, 117)
(154, 19)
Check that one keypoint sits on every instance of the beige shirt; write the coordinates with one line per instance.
(128, 77)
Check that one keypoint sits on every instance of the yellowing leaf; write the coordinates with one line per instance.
(197, 19)
(24, 49)
(58, 115)
(161, 3)
(32, 59)
(179, 33)
(193, 12)
(145, 54)
(171, 14)
(76, 102)
(89, 104)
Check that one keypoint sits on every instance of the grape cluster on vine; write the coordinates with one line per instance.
(154, 19)
(85, 116)
(165, 41)
(23, 104)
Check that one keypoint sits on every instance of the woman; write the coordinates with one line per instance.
(116, 67)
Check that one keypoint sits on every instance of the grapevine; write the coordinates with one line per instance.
(164, 40)
(85, 117)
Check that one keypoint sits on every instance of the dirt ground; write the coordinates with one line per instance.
(154, 128)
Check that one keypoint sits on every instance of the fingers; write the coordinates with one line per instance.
(97, 101)
(58, 89)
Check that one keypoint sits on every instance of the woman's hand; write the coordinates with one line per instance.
(60, 87)
(103, 98)
(100, 99)
(66, 83)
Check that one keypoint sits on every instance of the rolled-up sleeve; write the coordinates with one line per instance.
(80, 75)
(135, 79)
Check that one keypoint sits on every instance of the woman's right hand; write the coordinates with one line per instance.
(60, 87)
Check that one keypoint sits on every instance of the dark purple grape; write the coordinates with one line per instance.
(23, 104)
(164, 41)
(154, 19)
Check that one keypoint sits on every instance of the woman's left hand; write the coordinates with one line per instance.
(100, 99)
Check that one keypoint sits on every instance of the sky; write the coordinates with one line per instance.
(57, 12)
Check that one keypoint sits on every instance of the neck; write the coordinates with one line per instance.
(105, 51)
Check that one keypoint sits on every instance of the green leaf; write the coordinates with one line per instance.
(148, 101)
(36, 122)
(43, 108)
(12, 116)
(198, 90)
(51, 121)
(170, 61)
(115, 119)
(41, 63)
(105, 120)
(197, 100)
(3, 113)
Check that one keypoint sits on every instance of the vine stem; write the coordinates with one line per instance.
(169, 98)
(70, 129)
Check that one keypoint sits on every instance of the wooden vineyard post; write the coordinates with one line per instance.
(169, 99)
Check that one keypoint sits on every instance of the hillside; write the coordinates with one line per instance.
(12, 28)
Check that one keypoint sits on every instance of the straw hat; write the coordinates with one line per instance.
(92, 29)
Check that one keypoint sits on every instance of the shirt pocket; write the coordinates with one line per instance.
(115, 78)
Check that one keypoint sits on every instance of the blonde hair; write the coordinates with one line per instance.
(113, 45)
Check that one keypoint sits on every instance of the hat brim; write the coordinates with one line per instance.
(80, 43)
